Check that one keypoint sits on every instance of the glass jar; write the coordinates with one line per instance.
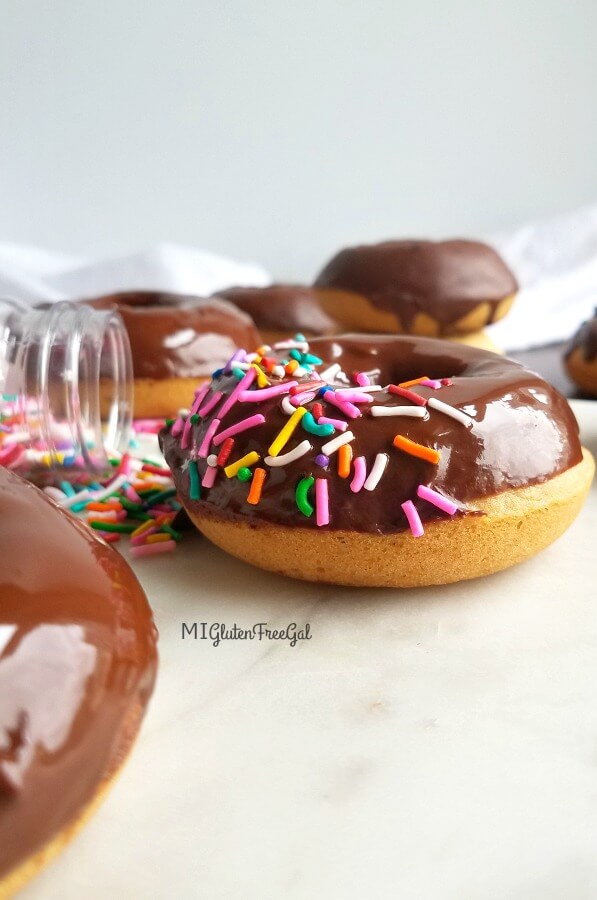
(66, 390)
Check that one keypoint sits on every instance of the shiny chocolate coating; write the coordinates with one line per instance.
(522, 432)
(77, 667)
(585, 339)
(283, 309)
(176, 336)
(444, 279)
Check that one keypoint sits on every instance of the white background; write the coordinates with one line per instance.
(277, 131)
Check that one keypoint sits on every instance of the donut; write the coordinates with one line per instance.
(176, 340)
(77, 668)
(429, 288)
(283, 309)
(581, 357)
(382, 460)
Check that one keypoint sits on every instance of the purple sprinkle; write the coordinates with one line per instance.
(322, 460)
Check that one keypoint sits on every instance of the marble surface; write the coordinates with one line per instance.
(436, 743)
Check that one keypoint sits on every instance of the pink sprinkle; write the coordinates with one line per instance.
(177, 427)
(447, 506)
(209, 405)
(200, 395)
(186, 433)
(304, 397)
(209, 478)
(266, 393)
(361, 379)
(431, 383)
(353, 412)
(360, 474)
(354, 396)
(337, 423)
(242, 385)
(162, 508)
(250, 422)
(140, 538)
(132, 495)
(153, 549)
(414, 520)
(10, 454)
(321, 501)
(206, 442)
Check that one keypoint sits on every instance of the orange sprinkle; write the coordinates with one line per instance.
(254, 495)
(344, 460)
(291, 366)
(407, 384)
(263, 349)
(112, 506)
(158, 538)
(418, 450)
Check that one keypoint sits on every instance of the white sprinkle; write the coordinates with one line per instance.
(300, 371)
(278, 371)
(182, 413)
(54, 493)
(337, 442)
(303, 346)
(361, 388)
(379, 467)
(450, 411)
(287, 406)
(212, 459)
(330, 373)
(289, 457)
(416, 412)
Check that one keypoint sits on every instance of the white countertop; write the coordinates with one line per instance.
(437, 743)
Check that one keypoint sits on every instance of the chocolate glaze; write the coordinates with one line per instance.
(283, 309)
(585, 339)
(445, 279)
(176, 336)
(77, 666)
(523, 433)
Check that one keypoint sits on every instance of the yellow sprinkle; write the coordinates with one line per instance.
(285, 434)
(143, 528)
(247, 461)
(158, 538)
(262, 381)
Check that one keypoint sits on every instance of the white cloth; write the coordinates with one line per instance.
(555, 261)
(30, 274)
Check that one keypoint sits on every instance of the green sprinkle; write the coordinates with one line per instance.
(295, 354)
(301, 495)
(238, 373)
(195, 419)
(113, 526)
(153, 462)
(175, 535)
(195, 487)
(170, 422)
(244, 474)
(68, 489)
(164, 495)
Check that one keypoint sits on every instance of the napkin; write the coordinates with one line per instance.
(555, 261)
(33, 275)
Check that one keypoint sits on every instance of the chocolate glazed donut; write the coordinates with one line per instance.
(581, 357)
(176, 340)
(493, 439)
(77, 668)
(430, 288)
(283, 309)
